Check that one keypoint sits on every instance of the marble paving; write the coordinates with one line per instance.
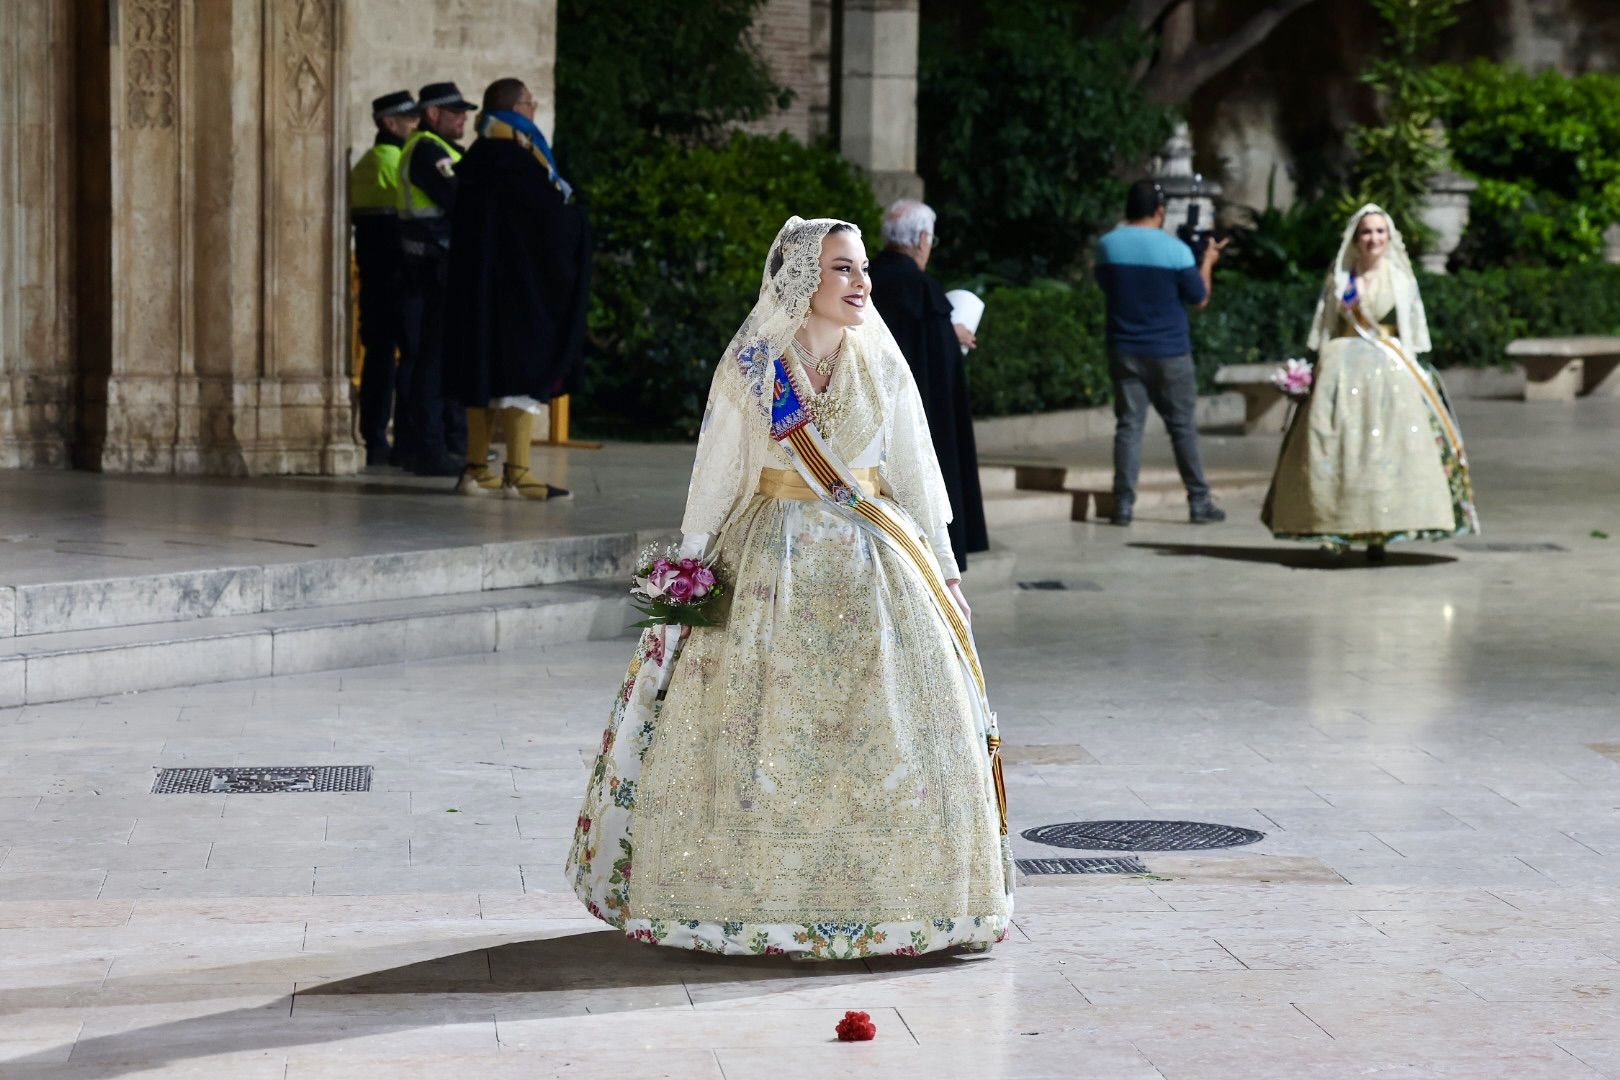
(1431, 748)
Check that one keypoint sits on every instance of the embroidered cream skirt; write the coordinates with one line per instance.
(1364, 460)
(813, 781)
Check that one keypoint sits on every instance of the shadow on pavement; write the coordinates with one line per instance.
(1298, 557)
(573, 974)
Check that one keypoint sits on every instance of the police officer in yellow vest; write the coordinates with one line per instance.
(435, 430)
(374, 209)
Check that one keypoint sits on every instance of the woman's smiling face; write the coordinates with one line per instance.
(842, 296)
(1372, 237)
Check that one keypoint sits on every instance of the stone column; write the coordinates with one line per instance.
(878, 98)
(302, 391)
(1444, 209)
(218, 345)
(1611, 244)
(134, 133)
(37, 293)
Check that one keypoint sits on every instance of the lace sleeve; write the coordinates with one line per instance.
(910, 469)
(718, 473)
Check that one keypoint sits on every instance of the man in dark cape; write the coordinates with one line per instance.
(918, 314)
(519, 280)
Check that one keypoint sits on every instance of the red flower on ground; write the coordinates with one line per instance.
(856, 1027)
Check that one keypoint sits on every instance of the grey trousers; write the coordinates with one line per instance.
(1169, 385)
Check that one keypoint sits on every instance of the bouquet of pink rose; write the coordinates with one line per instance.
(672, 591)
(1294, 378)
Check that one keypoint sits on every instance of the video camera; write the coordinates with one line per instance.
(1190, 232)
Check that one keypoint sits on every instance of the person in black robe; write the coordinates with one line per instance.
(519, 280)
(914, 306)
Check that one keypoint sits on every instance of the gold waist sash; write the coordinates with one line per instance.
(788, 484)
(1349, 330)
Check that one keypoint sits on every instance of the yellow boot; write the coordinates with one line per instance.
(517, 482)
(477, 478)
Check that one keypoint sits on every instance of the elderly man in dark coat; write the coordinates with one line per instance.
(519, 275)
(918, 314)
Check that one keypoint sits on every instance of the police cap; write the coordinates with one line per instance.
(395, 104)
(443, 95)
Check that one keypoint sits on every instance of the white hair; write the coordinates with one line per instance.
(905, 221)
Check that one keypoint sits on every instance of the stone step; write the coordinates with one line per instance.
(1011, 509)
(1091, 486)
(115, 660)
(104, 661)
(998, 478)
(233, 591)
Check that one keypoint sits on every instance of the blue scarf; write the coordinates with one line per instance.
(521, 130)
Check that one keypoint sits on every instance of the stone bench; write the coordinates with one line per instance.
(1265, 408)
(1557, 369)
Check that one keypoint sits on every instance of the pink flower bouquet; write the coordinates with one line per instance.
(1293, 378)
(670, 590)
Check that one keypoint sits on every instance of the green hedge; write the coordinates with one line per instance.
(1546, 151)
(681, 236)
(1041, 347)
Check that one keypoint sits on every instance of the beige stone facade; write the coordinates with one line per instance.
(852, 67)
(403, 44)
(174, 250)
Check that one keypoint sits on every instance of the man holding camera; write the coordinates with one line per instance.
(1150, 278)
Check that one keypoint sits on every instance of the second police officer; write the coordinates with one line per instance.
(374, 208)
(434, 438)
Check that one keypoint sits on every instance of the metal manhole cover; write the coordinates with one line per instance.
(1141, 835)
(1126, 865)
(1054, 585)
(263, 779)
(1480, 545)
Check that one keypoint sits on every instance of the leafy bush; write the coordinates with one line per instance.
(1474, 314)
(1273, 244)
(1024, 122)
(1041, 348)
(1396, 157)
(1252, 322)
(681, 238)
(664, 68)
(1546, 151)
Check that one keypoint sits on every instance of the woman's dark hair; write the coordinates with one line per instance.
(776, 256)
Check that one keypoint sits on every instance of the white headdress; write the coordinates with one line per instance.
(791, 277)
(736, 443)
(1412, 321)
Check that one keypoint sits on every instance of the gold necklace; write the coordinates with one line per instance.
(822, 365)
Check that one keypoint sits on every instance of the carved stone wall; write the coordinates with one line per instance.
(173, 227)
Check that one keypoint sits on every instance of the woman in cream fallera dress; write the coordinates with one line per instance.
(1374, 455)
(818, 777)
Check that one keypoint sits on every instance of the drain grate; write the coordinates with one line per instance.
(263, 779)
(1141, 835)
(1054, 585)
(1480, 545)
(1127, 865)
